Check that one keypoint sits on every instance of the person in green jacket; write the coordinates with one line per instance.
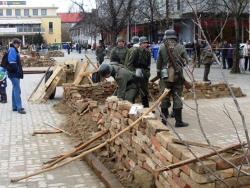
(173, 80)
(118, 53)
(135, 41)
(100, 53)
(207, 61)
(139, 64)
(126, 87)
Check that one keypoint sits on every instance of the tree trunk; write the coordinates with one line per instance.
(236, 57)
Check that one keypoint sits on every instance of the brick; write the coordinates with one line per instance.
(193, 184)
(160, 157)
(176, 149)
(180, 182)
(156, 160)
(116, 119)
(147, 167)
(185, 169)
(142, 157)
(244, 167)
(144, 138)
(137, 147)
(156, 126)
(147, 149)
(137, 140)
(128, 147)
(155, 142)
(163, 182)
(172, 183)
(158, 184)
(242, 181)
(125, 121)
(221, 164)
(165, 138)
(125, 113)
(151, 163)
(166, 154)
(203, 178)
(124, 151)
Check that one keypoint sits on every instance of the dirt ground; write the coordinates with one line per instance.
(82, 128)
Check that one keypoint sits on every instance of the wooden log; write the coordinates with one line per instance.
(98, 147)
(78, 148)
(193, 143)
(46, 132)
(205, 156)
(57, 128)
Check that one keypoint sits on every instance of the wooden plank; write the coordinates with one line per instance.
(46, 132)
(88, 73)
(39, 84)
(193, 143)
(52, 86)
(79, 77)
(47, 84)
(90, 80)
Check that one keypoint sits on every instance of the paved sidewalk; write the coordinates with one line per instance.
(21, 153)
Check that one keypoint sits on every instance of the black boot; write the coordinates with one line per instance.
(165, 113)
(178, 118)
(144, 101)
(172, 113)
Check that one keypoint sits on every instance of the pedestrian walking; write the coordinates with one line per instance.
(230, 56)
(68, 48)
(171, 75)
(225, 48)
(196, 52)
(16, 75)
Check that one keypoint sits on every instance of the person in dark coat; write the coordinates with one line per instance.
(225, 48)
(207, 61)
(230, 56)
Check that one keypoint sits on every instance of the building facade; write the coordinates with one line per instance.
(24, 21)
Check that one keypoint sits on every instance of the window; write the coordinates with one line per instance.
(1, 12)
(43, 12)
(50, 27)
(18, 12)
(35, 12)
(26, 12)
(8, 12)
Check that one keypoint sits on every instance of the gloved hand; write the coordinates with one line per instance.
(159, 75)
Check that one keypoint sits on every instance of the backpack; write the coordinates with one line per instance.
(5, 63)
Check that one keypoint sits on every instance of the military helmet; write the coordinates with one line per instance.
(135, 39)
(170, 34)
(143, 39)
(119, 39)
(2, 76)
(105, 69)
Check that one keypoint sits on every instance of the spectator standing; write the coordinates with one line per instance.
(225, 48)
(3, 85)
(230, 56)
(207, 61)
(68, 48)
(100, 53)
(16, 75)
(246, 54)
(189, 49)
(196, 54)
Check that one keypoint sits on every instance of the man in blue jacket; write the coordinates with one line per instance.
(16, 75)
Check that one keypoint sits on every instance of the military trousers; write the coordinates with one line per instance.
(175, 92)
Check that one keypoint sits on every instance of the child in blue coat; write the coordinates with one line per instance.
(3, 85)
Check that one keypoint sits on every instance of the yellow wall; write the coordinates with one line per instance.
(54, 37)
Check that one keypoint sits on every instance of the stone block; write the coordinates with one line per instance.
(165, 138)
(203, 178)
(176, 149)
(156, 126)
(193, 184)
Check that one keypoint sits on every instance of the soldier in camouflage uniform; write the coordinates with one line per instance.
(100, 53)
(127, 89)
(140, 58)
(176, 86)
(207, 61)
(135, 41)
(118, 53)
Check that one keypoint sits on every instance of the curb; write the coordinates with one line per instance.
(102, 172)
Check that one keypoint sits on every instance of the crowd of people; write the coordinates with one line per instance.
(130, 68)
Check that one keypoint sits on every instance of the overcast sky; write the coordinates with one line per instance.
(62, 4)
